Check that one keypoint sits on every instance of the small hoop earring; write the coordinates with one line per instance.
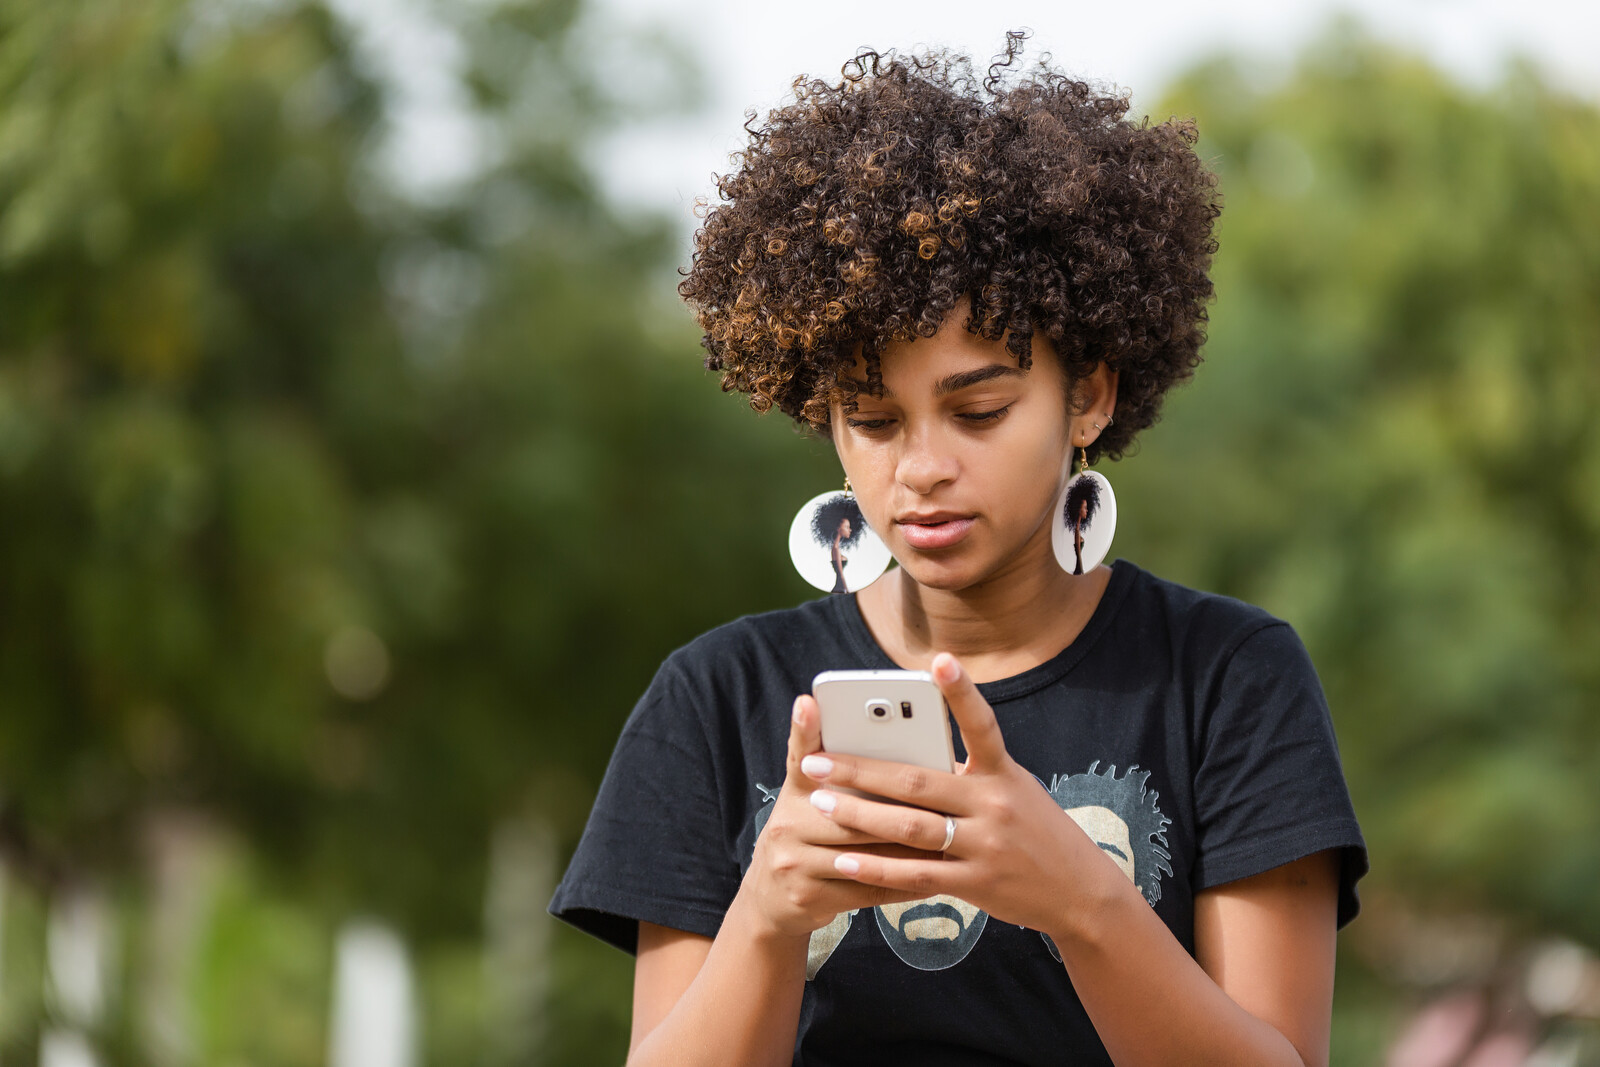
(823, 529)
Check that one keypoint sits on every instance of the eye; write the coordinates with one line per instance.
(869, 426)
(979, 418)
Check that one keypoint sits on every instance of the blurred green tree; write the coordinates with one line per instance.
(357, 521)
(1393, 445)
(353, 520)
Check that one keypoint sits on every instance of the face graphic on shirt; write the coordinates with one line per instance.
(932, 933)
(1122, 817)
(1119, 814)
(1106, 829)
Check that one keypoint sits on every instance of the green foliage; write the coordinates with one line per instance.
(355, 522)
(1392, 444)
(181, 268)
(358, 523)
(250, 400)
(263, 957)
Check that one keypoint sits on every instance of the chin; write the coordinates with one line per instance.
(949, 576)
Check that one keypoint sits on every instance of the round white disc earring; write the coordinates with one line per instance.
(832, 546)
(1085, 520)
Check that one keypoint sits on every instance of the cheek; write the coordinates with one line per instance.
(1029, 475)
(872, 478)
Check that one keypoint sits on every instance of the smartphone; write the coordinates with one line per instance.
(887, 715)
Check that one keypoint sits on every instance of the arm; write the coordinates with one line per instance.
(732, 1000)
(736, 998)
(1269, 941)
(667, 961)
(1260, 991)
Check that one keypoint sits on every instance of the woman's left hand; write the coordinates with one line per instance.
(1015, 853)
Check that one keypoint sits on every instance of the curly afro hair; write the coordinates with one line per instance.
(864, 211)
(1082, 491)
(825, 521)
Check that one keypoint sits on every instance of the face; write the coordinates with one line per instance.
(933, 933)
(844, 527)
(938, 918)
(960, 463)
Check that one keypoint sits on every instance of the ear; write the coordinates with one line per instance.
(1095, 401)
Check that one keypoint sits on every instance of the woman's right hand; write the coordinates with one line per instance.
(792, 883)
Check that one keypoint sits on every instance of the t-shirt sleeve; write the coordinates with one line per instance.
(1269, 788)
(653, 849)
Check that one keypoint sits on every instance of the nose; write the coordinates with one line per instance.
(925, 463)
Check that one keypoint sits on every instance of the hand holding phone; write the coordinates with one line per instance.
(888, 715)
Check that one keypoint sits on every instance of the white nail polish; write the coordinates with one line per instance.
(824, 801)
(816, 766)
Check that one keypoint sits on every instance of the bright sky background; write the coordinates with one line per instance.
(750, 50)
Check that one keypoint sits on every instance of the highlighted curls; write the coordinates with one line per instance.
(864, 211)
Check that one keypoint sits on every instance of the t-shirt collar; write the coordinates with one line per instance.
(873, 657)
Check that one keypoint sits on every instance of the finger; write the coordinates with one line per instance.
(846, 894)
(812, 829)
(805, 733)
(921, 878)
(888, 850)
(824, 864)
(821, 864)
(980, 733)
(912, 827)
(905, 782)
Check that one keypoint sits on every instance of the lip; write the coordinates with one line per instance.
(922, 518)
(932, 530)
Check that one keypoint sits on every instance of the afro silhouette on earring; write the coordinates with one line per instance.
(1085, 518)
(823, 531)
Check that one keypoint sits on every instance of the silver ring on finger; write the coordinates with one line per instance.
(949, 832)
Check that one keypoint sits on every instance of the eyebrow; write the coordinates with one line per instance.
(954, 383)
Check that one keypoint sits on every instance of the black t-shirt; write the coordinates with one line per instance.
(1186, 732)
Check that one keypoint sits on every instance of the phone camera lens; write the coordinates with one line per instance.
(878, 710)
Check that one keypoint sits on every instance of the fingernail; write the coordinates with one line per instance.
(817, 766)
(847, 865)
(945, 668)
(795, 713)
(824, 801)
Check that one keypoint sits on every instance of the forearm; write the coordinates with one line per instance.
(1150, 1001)
(743, 1005)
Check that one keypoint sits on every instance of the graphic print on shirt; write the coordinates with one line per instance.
(1122, 817)
(929, 934)
(827, 938)
(932, 933)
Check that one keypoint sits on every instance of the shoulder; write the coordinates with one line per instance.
(1195, 620)
(757, 663)
(757, 638)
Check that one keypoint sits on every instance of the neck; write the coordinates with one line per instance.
(1006, 624)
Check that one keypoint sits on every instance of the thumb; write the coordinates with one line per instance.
(805, 736)
(986, 747)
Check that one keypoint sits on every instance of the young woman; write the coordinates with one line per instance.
(1144, 855)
